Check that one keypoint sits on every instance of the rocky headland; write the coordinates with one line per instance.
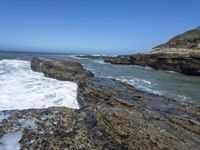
(112, 115)
(180, 54)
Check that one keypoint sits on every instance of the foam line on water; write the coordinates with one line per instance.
(21, 88)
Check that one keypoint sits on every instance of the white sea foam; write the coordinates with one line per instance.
(183, 98)
(141, 84)
(75, 56)
(27, 123)
(10, 141)
(21, 88)
(99, 61)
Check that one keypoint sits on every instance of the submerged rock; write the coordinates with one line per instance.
(60, 69)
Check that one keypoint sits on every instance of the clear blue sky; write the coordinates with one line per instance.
(93, 26)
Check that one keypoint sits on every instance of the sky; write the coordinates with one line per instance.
(93, 26)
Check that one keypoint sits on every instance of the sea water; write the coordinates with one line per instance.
(21, 88)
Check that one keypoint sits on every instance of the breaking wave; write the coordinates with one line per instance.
(21, 88)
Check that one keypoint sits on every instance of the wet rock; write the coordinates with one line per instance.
(112, 115)
(60, 69)
(63, 128)
(138, 119)
(180, 54)
(183, 62)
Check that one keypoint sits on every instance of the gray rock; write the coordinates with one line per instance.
(60, 69)
(138, 119)
(186, 63)
(59, 128)
(180, 54)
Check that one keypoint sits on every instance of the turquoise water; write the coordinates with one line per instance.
(174, 85)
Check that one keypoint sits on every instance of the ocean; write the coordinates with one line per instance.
(19, 84)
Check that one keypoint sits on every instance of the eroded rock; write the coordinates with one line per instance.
(180, 54)
(183, 62)
(60, 69)
(59, 129)
(138, 119)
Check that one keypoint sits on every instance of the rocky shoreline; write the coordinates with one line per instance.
(112, 115)
(184, 61)
(180, 54)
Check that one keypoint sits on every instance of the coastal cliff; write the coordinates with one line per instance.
(112, 115)
(180, 54)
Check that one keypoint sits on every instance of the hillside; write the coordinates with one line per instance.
(180, 54)
(188, 40)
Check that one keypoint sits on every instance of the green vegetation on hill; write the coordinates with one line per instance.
(189, 39)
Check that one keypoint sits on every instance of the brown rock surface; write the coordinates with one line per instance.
(138, 119)
(60, 69)
(180, 54)
(57, 129)
(172, 59)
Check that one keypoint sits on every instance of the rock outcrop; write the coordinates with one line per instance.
(180, 54)
(182, 62)
(140, 120)
(60, 69)
(112, 115)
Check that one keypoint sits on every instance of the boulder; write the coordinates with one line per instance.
(60, 69)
